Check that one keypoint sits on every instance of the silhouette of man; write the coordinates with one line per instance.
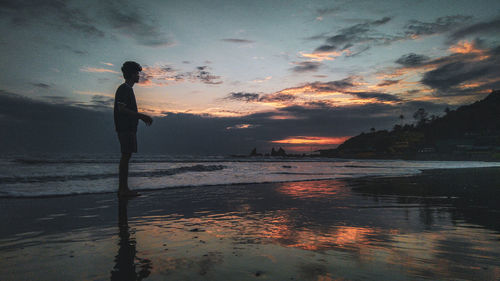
(126, 121)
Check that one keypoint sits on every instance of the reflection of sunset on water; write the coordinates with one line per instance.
(313, 189)
(416, 253)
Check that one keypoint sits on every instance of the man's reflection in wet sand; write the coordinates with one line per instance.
(125, 267)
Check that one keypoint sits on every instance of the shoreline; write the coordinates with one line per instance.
(484, 171)
(305, 230)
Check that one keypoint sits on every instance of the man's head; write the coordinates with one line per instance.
(130, 70)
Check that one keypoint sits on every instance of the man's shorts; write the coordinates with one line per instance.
(128, 142)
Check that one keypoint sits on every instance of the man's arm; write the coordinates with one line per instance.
(122, 107)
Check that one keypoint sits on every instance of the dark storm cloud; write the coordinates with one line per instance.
(306, 66)
(233, 40)
(492, 26)
(387, 83)
(240, 96)
(440, 25)
(412, 59)
(41, 85)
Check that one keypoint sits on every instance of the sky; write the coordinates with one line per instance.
(223, 77)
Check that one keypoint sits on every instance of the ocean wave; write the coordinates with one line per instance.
(115, 160)
(28, 161)
(59, 193)
(158, 173)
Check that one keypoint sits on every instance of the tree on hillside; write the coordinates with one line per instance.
(421, 116)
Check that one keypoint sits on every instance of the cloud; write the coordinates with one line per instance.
(159, 75)
(332, 86)
(201, 73)
(234, 40)
(277, 98)
(467, 72)
(71, 49)
(375, 95)
(326, 12)
(387, 83)
(342, 92)
(412, 59)
(325, 48)
(361, 32)
(180, 133)
(65, 127)
(354, 40)
(305, 66)
(258, 98)
(97, 70)
(55, 13)
(262, 80)
(100, 102)
(448, 77)
(240, 126)
(131, 22)
(240, 96)
(41, 85)
(166, 74)
(492, 26)
(415, 28)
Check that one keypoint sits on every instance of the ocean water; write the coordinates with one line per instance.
(71, 174)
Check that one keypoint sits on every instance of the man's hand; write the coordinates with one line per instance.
(146, 119)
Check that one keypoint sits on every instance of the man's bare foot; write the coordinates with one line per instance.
(128, 193)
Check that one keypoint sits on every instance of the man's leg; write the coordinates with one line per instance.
(123, 173)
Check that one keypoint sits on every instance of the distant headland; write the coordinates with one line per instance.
(471, 132)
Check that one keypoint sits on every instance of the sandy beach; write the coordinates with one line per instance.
(439, 225)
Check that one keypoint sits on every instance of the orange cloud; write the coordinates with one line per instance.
(240, 126)
(262, 80)
(321, 56)
(468, 47)
(97, 70)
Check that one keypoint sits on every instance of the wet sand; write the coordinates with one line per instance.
(442, 224)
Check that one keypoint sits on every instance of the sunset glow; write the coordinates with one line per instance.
(312, 140)
(293, 71)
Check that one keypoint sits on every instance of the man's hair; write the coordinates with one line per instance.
(129, 68)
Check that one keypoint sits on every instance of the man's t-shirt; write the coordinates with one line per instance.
(124, 122)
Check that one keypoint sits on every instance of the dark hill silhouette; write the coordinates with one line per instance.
(471, 132)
